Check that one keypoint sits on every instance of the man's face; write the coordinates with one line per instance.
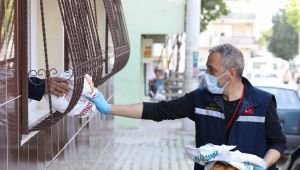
(215, 68)
(159, 73)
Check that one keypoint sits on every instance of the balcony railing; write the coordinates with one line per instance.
(236, 40)
(240, 16)
(241, 40)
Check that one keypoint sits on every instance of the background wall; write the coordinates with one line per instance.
(143, 17)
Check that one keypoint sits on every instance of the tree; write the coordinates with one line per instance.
(264, 39)
(283, 42)
(293, 14)
(210, 11)
(6, 24)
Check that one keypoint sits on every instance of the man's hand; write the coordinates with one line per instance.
(101, 103)
(58, 86)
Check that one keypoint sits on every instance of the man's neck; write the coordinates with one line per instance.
(234, 90)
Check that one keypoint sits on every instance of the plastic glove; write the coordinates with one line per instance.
(258, 168)
(100, 103)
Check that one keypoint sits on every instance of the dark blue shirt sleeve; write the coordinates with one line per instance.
(36, 88)
(183, 107)
(274, 135)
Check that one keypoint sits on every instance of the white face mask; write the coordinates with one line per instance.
(212, 83)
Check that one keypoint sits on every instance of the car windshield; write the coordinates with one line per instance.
(285, 98)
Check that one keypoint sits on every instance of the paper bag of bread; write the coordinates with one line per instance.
(220, 157)
(84, 107)
(221, 166)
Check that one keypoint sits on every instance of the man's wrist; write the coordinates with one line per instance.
(107, 109)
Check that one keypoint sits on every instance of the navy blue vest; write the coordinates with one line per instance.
(248, 131)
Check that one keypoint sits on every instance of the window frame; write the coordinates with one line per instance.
(22, 44)
(34, 113)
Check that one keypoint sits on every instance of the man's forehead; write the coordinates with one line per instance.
(214, 60)
(215, 56)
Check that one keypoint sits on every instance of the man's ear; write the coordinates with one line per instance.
(233, 72)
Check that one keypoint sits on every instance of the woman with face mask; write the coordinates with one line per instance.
(228, 111)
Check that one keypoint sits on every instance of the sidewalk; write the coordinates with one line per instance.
(153, 146)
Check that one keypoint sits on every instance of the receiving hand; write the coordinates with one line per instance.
(100, 103)
(58, 86)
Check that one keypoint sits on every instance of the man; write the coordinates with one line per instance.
(229, 111)
(157, 85)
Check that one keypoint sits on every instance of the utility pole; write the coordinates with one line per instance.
(192, 28)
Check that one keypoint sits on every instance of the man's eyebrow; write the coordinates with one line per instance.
(210, 66)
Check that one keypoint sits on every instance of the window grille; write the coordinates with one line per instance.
(85, 55)
(117, 26)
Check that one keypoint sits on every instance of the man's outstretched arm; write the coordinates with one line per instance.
(163, 110)
(131, 111)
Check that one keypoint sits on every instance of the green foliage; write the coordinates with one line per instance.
(284, 40)
(210, 11)
(293, 14)
(264, 39)
(6, 20)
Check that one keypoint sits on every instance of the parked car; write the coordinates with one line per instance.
(288, 109)
(271, 76)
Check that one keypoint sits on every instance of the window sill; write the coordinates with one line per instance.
(26, 138)
(35, 116)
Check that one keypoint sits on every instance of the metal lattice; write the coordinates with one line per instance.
(79, 20)
(117, 26)
(84, 43)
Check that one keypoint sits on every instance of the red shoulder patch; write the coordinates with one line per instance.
(249, 111)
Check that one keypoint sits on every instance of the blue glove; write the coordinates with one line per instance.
(100, 103)
(258, 168)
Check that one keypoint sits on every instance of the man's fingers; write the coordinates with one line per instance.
(59, 86)
(62, 80)
(55, 92)
(63, 87)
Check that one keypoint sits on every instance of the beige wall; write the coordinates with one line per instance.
(55, 36)
(55, 33)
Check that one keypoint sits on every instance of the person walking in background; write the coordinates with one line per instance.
(228, 111)
(157, 85)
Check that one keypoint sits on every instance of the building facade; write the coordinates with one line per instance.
(238, 28)
(144, 17)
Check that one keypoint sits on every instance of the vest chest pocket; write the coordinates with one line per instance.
(248, 134)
